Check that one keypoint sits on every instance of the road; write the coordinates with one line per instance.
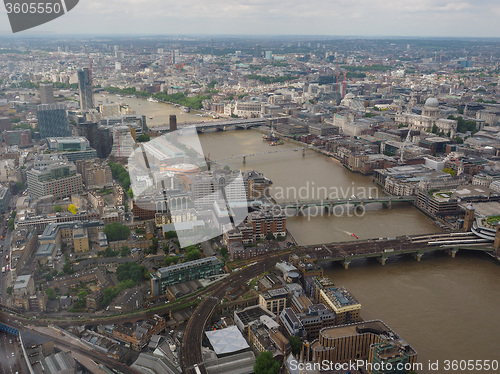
(69, 345)
(5, 278)
(11, 359)
(191, 343)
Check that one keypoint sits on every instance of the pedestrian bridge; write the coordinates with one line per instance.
(233, 124)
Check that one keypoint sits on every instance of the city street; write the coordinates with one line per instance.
(10, 354)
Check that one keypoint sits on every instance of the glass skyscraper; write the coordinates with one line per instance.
(53, 120)
(85, 89)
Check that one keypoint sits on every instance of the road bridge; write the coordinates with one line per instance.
(232, 124)
(299, 207)
(382, 249)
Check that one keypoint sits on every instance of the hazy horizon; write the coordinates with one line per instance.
(364, 18)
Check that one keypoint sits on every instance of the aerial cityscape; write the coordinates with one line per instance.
(241, 202)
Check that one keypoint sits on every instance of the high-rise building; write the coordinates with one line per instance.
(21, 138)
(47, 93)
(53, 120)
(371, 341)
(85, 89)
(5, 124)
(56, 177)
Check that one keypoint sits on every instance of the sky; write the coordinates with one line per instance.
(446, 18)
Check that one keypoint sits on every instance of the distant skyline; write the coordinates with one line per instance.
(439, 18)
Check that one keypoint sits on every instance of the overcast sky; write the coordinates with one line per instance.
(280, 17)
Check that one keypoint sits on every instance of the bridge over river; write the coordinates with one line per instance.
(383, 248)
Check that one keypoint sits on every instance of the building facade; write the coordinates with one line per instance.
(184, 272)
(53, 120)
(85, 89)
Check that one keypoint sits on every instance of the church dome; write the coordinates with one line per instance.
(432, 102)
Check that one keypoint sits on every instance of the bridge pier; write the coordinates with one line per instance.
(346, 264)
(418, 256)
(244, 159)
(382, 260)
(303, 152)
(452, 252)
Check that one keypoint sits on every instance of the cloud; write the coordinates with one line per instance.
(328, 17)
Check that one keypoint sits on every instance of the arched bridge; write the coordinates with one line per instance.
(300, 205)
(239, 123)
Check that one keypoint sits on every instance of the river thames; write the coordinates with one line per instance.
(447, 309)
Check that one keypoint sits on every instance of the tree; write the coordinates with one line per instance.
(459, 140)
(58, 208)
(450, 171)
(50, 293)
(170, 235)
(72, 209)
(434, 129)
(125, 251)
(143, 138)
(10, 224)
(9, 290)
(80, 304)
(223, 251)
(129, 271)
(265, 364)
(67, 268)
(19, 186)
(108, 252)
(116, 231)
(193, 255)
(269, 236)
(296, 344)
(168, 261)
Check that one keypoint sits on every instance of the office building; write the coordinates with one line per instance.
(197, 269)
(95, 173)
(53, 120)
(47, 93)
(346, 308)
(21, 138)
(370, 341)
(4, 199)
(5, 124)
(274, 300)
(85, 89)
(59, 179)
(266, 222)
(207, 188)
(74, 148)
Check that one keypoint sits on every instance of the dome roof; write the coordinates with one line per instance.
(432, 102)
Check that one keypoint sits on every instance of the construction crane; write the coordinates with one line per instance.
(207, 160)
(344, 84)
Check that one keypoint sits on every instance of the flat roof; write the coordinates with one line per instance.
(227, 340)
(354, 329)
